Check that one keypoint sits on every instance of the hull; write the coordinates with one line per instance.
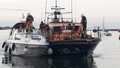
(83, 47)
(27, 45)
(30, 50)
(80, 47)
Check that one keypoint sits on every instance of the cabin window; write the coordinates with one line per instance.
(69, 27)
(36, 37)
(76, 28)
(56, 29)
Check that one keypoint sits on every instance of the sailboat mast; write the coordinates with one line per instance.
(72, 10)
(45, 10)
(103, 20)
(56, 4)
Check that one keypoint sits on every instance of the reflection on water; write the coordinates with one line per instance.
(54, 62)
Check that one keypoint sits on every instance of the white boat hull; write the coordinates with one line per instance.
(30, 50)
(21, 43)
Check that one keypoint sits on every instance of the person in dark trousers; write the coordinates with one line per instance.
(84, 24)
(43, 28)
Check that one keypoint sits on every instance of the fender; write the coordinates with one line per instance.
(13, 46)
(3, 45)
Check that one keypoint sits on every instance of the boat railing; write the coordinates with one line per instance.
(68, 35)
(24, 34)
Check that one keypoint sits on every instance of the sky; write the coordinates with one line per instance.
(95, 10)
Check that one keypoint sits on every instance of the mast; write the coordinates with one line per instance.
(103, 20)
(57, 14)
(55, 3)
(45, 9)
(56, 8)
(72, 10)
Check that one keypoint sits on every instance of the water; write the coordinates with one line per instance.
(106, 55)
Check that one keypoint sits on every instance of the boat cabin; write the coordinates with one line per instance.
(65, 31)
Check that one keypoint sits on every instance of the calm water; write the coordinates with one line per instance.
(106, 55)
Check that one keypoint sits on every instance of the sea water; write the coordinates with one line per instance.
(106, 55)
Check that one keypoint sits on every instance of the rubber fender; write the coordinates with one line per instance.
(13, 46)
(10, 51)
(10, 55)
(6, 48)
(3, 45)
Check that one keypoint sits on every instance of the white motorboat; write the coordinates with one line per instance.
(22, 43)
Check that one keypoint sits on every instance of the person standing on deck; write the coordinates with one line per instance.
(42, 27)
(84, 24)
(29, 24)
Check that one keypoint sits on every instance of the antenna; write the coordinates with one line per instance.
(103, 21)
(57, 14)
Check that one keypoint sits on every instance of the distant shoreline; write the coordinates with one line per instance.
(5, 28)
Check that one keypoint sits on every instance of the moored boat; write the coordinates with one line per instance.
(23, 42)
(68, 37)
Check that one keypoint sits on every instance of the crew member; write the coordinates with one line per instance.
(84, 24)
(29, 20)
(42, 26)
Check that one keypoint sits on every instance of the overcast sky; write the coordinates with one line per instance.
(94, 10)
